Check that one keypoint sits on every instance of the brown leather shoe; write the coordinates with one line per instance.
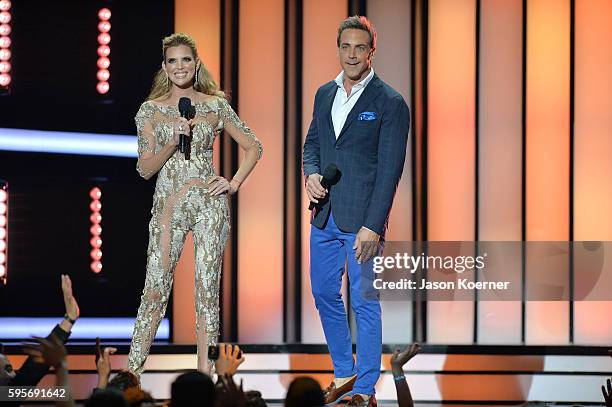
(334, 394)
(358, 401)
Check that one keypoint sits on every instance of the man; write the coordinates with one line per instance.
(31, 371)
(361, 125)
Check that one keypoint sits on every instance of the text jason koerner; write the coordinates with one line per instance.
(460, 284)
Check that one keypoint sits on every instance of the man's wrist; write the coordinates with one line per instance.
(71, 320)
(397, 371)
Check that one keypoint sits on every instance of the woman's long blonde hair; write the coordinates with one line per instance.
(204, 83)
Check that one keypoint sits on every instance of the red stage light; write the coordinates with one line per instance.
(2, 208)
(2, 221)
(104, 26)
(103, 63)
(3, 195)
(95, 230)
(95, 242)
(96, 267)
(5, 17)
(96, 254)
(2, 245)
(2, 233)
(95, 206)
(95, 193)
(95, 217)
(5, 5)
(104, 14)
(5, 79)
(5, 67)
(2, 258)
(5, 54)
(2, 270)
(5, 29)
(103, 75)
(104, 38)
(102, 87)
(5, 42)
(104, 50)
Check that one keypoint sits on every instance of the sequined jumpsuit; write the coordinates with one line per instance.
(181, 203)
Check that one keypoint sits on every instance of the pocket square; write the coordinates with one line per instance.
(367, 116)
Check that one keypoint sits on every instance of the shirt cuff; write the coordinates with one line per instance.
(367, 228)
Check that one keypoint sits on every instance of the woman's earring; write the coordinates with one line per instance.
(196, 76)
(167, 80)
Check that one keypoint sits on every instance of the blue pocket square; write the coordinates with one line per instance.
(367, 116)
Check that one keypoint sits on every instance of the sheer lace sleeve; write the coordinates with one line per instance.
(238, 129)
(149, 161)
(244, 136)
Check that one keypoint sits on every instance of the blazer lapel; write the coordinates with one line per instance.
(369, 93)
(327, 108)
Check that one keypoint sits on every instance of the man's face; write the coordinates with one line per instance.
(355, 53)
(6, 369)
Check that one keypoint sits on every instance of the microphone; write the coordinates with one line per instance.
(329, 176)
(184, 106)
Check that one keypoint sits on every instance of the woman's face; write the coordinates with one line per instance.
(180, 65)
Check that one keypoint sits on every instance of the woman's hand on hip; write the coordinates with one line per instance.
(219, 185)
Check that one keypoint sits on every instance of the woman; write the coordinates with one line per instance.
(189, 196)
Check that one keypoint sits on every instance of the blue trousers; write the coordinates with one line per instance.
(329, 249)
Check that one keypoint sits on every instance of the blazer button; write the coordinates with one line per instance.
(337, 148)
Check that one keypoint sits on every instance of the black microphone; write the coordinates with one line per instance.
(184, 106)
(329, 176)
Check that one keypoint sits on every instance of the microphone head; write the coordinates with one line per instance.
(330, 172)
(184, 106)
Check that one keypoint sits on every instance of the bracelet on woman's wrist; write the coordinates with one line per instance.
(399, 378)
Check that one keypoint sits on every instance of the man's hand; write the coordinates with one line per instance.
(607, 394)
(50, 351)
(104, 365)
(72, 308)
(314, 189)
(399, 359)
(230, 358)
(366, 244)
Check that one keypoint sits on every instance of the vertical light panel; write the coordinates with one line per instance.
(201, 20)
(547, 155)
(451, 148)
(104, 27)
(500, 152)
(320, 56)
(593, 144)
(4, 200)
(392, 20)
(5, 43)
(260, 208)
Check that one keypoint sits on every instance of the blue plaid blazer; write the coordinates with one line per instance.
(369, 154)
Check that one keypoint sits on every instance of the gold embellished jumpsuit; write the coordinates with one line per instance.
(182, 203)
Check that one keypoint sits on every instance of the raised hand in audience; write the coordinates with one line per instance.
(230, 357)
(607, 393)
(104, 367)
(228, 394)
(51, 352)
(398, 360)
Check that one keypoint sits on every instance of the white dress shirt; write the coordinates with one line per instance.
(343, 103)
